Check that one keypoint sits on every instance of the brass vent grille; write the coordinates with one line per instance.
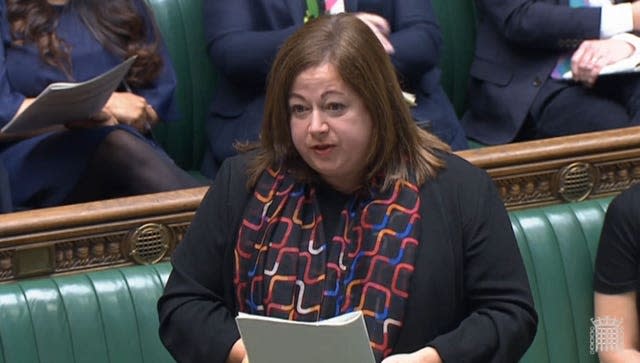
(576, 181)
(149, 243)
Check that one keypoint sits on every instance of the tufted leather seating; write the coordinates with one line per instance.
(181, 24)
(100, 316)
(558, 245)
(458, 26)
(110, 315)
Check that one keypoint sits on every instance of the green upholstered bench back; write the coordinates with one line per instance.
(110, 315)
(181, 24)
(105, 316)
(458, 25)
(558, 245)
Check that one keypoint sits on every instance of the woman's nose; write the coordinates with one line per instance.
(318, 123)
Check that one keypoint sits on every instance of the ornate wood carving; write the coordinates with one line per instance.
(6, 265)
(530, 173)
(89, 236)
(94, 235)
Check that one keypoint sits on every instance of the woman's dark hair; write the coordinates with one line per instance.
(116, 24)
(400, 149)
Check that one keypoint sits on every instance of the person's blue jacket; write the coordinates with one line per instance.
(518, 43)
(5, 195)
(243, 37)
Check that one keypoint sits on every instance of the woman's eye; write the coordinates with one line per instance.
(335, 107)
(297, 110)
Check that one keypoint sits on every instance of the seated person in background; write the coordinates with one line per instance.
(522, 49)
(109, 156)
(5, 195)
(243, 37)
(338, 148)
(617, 274)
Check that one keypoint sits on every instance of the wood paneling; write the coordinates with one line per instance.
(103, 234)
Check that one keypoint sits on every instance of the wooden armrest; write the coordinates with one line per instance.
(558, 148)
(146, 228)
(14, 226)
(88, 236)
(562, 169)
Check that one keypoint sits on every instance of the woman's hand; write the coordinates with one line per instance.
(635, 10)
(424, 355)
(26, 103)
(380, 27)
(623, 308)
(101, 119)
(592, 55)
(620, 356)
(238, 354)
(131, 109)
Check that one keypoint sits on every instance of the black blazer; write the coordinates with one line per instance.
(517, 46)
(469, 295)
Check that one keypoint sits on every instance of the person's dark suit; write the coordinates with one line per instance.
(5, 195)
(243, 37)
(517, 47)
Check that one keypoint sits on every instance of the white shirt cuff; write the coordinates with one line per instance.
(615, 19)
(631, 39)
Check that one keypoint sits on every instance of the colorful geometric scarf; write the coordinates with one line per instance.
(286, 268)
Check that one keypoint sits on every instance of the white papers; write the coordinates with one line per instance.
(342, 339)
(62, 102)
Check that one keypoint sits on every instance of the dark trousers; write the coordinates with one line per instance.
(567, 108)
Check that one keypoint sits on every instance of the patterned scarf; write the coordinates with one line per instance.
(286, 268)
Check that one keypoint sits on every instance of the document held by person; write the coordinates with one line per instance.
(342, 339)
(63, 102)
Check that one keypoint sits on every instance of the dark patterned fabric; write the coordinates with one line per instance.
(286, 268)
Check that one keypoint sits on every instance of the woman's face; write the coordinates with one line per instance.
(330, 126)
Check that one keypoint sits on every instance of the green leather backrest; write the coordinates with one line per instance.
(98, 317)
(458, 25)
(181, 24)
(558, 245)
(110, 315)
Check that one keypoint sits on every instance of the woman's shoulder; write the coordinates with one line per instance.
(632, 195)
(458, 182)
(234, 169)
(229, 190)
(458, 170)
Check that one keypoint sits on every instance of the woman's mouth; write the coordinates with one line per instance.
(322, 149)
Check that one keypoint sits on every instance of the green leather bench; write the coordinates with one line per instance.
(558, 245)
(110, 315)
(102, 316)
(181, 24)
(457, 19)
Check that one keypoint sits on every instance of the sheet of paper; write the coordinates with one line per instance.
(63, 102)
(342, 339)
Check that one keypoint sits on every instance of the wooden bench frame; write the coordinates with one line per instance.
(145, 229)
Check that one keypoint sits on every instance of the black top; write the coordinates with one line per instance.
(617, 262)
(469, 293)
